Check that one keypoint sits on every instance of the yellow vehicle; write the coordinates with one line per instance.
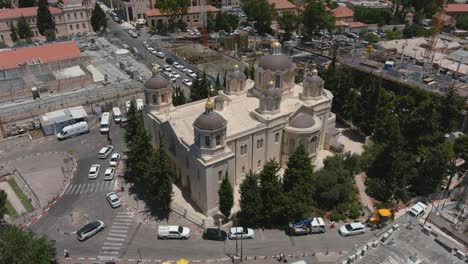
(381, 218)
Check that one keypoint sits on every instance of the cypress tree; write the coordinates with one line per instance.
(271, 191)
(133, 119)
(23, 29)
(250, 200)
(45, 23)
(26, 3)
(13, 35)
(98, 18)
(226, 197)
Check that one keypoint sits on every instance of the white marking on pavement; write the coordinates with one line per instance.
(106, 257)
(106, 248)
(115, 239)
(109, 252)
(93, 186)
(123, 220)
(109, 185)
(122, 224)
(113, 244)
(117, 235)
(120, 227)
(69, 189)
(77, 191)
(83, 189)
(124, 213)
(98, 186)
(124, 216)
(119, 231)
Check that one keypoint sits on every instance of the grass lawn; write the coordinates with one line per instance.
(24, 200)
(10, 210)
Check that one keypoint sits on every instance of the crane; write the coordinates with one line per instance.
(437, 24)
(204, 31)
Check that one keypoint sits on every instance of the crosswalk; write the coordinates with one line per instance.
(96, 186)
(117, 235)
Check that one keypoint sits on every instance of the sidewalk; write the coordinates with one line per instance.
(12, 198)
(365, 199)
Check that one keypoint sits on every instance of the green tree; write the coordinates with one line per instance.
(372, 38)
(450, 109)
(13, 34)
(3, 200)
(200, 88)
(45, 23)
(173, 8)
(226, 197)
(23, 29)
(316, 18)
(24, 247)
(250, 200)
(158, 179)
(461, 147)
(5, 4)
(462, 22)
(298, 184)
(26, 3)
(393, 34)
(373, 15)
(260, 11)
(134, 120)
(273, 199)
(98, 18)
(288, 22)
(221, 23)
(178, 97)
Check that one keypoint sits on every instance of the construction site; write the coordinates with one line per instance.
(91, 72)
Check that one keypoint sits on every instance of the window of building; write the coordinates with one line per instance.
(243, 169)
(220, 176)
(278, 81)
(1, 36)
(77, 26)
(292, 146)
(71, 27)
(68, 16)
(260, 143)
(163, 98)
(259, 163)
(244, 150)
(74, 14)
(155, 99)
(84, 25)
(277, 137)
(218, 140)
(56, 30)
(81, 13)
(207, 141)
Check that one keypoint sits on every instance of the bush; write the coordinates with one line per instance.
(335, 217)
(354, 214)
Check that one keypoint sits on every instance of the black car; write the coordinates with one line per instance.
(169, 61)
(214, 234)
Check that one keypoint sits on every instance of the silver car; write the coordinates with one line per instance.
(94, 171)
(109, 174)
(113, 200)
(105, 151)
(90, 230)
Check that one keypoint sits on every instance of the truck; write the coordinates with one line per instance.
(307, 226)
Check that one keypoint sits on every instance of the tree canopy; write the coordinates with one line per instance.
(5, 4)
(261, 12)
(3, 201)
(226, 196)
(289, 22)
(23, 29)
(316, 18)
(45, 23)
(26, 3)
(98, 18)
(173, 8)
(24, 247)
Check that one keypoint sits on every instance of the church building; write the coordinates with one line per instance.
(243, 127)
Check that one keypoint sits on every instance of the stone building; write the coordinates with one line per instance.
(247, 124)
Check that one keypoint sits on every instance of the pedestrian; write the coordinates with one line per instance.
(332, 225)
(65, 253)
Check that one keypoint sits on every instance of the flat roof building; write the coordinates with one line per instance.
(53, 122)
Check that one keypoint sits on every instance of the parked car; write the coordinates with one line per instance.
(167, 68)
(191, 73)
(160, 55)
(169, 61)
(113, 200)
(214, 234)
(94, 171)
(90, 230)
(173, 232)
(109, 174)
(187, 82)
(105, 151)
(241, 233)
(182, 68)
(151, 49)
(352, 229)
(115, 159)
(176, 75)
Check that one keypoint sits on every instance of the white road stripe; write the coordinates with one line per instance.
(122, 223)
(106, 257)
(93, 186)
(88, 187)
(119, 231)
(106, 248)
(123, 220)
(113, 244)
(98, 186)
(84, 188)
(109, 185)
(77, 191)
(124, 213)
(73, 189)
(120, 227)
(124, 216)
(117, 235)
(103, 186)
(69, 189)
(115, 239)
(110, 252)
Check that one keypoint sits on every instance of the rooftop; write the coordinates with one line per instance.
(46, 53)
(63, 115)
(282, 4)
(456, 8)
(8, 14)
(191, 10)
(342, 12)
(238, 113)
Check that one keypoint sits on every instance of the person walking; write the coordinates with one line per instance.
(65, 253)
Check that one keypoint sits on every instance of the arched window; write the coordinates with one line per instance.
(259, 163)
(313, 145)
(276, 103)
(220, 176)
(218, 140)
(278, 81)
(243, 169)
(304, 143)
(155, 99)
(277, 137)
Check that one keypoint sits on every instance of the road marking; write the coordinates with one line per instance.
(113, 244)
(109, 185)
(109, 252)
(117, 235)
(106, 257)
(70, 189)
(123, 216)
(124, 213)
(83, 189)
(106, 248)
(77, 191)
(123, 220)
(119, 231)
(93, 187)
(122, 223)
(98, 186)
(120, 227)
(115, 239)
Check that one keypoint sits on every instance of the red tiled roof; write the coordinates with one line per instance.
(340, 23)
(46, 53)
(456, 8)
(282, 4)
(155, 12)
(356, 24)
(342, 11)
(8, 14)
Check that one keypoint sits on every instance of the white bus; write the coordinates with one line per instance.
(117, 114)
(105, 123)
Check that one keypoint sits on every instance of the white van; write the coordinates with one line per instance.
(105, 123)
(139, 104)
(417, 210)
(117, 114)
(73, 130)
(173, 232)
(317, 225)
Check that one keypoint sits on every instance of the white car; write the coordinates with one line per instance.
(182, 68)
(89, 230)
(115, 160)
(94, 171)
(177, 65)
(167, 68)
(105, 151)
(154, 52)
(160, 55)
(352, 229)
(241, 233)
(176, 75)
(113, 200)
(109, 174)
(150, 49)
(187, 82)
(174, 232)
(191, 73)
